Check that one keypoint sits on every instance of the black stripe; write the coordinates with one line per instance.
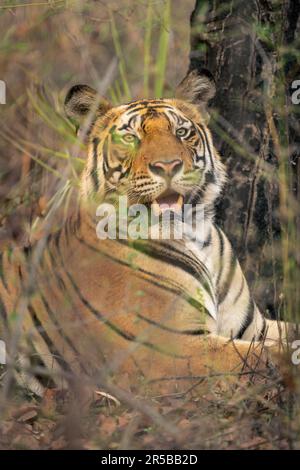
(185, 263)
(3, 313)
(196, 196)
(199, 331)
(94, 172)
(226, 287)
(192, 134)
(202, 139)
(66, 228)
(238, 295)
(207, 242)
(77, 221)
(61, 332)
(20, 274)
(157, 106)
(263, 330)
(54, 352)
(179, 120)
(198, 265)
(2, 272)
(126, 126)
(221, 240)
(207, 145)
(248, 319)
(144, 103)
(54, 262)
(209, 178)
(105, 156)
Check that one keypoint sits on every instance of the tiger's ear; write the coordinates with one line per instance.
(198, 87)
(83, 101)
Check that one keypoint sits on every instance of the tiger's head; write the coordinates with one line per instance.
(157, 152)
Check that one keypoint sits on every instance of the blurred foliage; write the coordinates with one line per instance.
(46, 47)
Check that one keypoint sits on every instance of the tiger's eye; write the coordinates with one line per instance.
(129, 138)
(181, 132)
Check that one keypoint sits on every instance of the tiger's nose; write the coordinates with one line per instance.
(166, 167)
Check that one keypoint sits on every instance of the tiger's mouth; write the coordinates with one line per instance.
(167, 202)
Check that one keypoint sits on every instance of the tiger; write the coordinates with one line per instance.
(147, 311)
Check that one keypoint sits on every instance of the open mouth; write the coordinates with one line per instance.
(168, 202)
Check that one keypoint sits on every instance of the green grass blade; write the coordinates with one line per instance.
(120, 55)
(162, 53)
(147, 48)
(36, 159)
(113, 96)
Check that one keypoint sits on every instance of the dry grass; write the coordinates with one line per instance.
(46, 49)
(259, 410)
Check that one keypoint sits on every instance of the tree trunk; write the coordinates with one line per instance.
(252, 50)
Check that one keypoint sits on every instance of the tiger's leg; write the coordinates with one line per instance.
(198, 359)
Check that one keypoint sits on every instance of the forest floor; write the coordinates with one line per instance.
(255, 411)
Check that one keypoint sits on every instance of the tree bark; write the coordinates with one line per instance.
(251, 47)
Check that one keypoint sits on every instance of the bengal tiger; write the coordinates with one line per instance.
(153, 311)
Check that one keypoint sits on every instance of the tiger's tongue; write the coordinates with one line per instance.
(173, 202)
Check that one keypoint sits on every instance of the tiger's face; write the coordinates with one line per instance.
(156, 152)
